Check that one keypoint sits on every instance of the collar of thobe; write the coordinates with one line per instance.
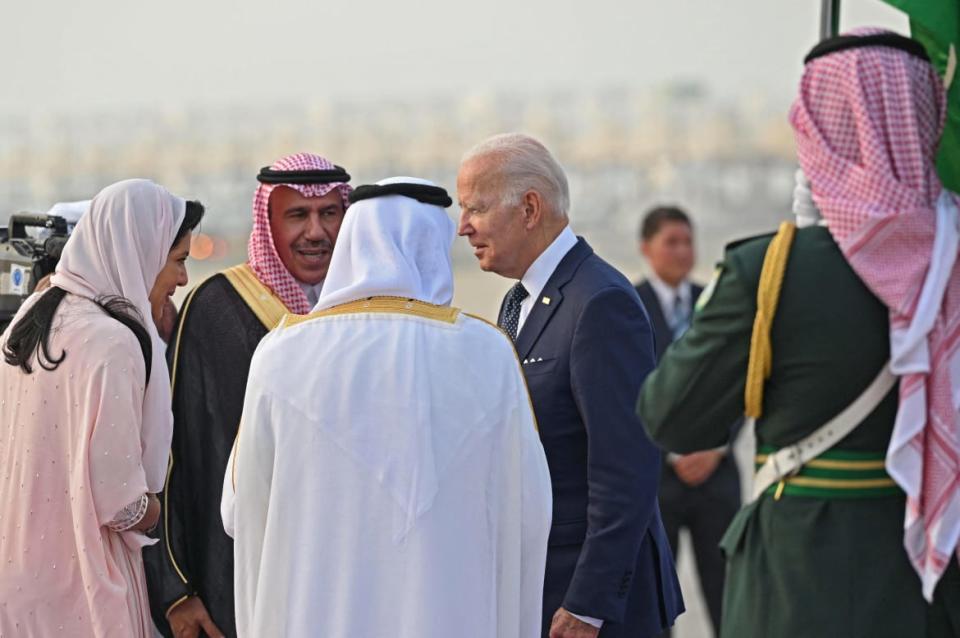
(540, 271)
(667, 294)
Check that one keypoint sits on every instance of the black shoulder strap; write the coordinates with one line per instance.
(143, 337)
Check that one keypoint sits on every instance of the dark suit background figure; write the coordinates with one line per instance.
(704, 510)
(588, 346)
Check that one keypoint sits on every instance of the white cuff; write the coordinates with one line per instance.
(593, 622)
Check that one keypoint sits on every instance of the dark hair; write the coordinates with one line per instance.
(32, 333)
(658, 216)
(191, 219)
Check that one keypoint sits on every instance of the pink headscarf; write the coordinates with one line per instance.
(867, 123)
(119, 248)
(262, 252)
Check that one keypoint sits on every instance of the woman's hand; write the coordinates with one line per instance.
(149, 520)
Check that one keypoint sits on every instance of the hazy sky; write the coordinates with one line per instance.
(76, 56)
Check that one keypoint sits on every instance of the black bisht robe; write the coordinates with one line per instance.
(218, 330)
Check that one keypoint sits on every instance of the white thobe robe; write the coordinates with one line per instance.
(388, 481)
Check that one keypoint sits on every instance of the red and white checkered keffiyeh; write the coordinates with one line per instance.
(262, 253)
(867, 123)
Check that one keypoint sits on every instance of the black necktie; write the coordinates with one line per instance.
(511, 311)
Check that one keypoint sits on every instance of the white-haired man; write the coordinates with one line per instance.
(586, 345)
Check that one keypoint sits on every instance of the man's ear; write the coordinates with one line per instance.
(532, 209)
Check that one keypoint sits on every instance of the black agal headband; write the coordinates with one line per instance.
(420, 192)
(336, 174)
(844, 42)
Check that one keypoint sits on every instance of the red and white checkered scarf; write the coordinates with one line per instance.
(867, 123)
(262, 252)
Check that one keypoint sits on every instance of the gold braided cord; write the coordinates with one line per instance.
(526, 387)
(768, 297)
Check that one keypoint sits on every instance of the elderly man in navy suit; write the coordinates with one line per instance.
(586, 345)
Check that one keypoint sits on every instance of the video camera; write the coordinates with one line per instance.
(30, 248)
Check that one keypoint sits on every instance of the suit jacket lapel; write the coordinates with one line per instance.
(543, 310)
(660, 326)
(695, 292)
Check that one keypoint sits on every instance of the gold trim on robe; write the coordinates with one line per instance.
(166, 483)
(391, 305)
(261, 300)
(536, 423)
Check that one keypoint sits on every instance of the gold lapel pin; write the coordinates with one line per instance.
(545, 301)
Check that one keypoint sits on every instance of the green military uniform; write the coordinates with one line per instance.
(823, 557)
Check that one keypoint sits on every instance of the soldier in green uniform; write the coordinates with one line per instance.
(790, 334)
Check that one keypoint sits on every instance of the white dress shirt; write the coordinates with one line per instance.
(534, 281)
(540, 271)
(667, 295)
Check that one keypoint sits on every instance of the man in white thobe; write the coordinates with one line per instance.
(388, 480)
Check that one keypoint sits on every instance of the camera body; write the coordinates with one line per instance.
(30, 248)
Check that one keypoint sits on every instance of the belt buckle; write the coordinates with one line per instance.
(794, 457)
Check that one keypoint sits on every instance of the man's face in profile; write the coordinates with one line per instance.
(494, 227)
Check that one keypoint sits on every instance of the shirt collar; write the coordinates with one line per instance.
(540, 271)
(667, 294)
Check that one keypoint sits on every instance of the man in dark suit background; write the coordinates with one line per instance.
(586, 345)
(699, 491)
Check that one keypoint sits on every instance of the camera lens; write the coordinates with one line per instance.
(53, 246)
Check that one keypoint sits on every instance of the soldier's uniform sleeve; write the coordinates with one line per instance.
(688, 403)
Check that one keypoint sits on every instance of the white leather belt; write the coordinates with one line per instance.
(788, 460)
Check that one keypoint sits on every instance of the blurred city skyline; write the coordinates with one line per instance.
(729, 161)
(643, 102)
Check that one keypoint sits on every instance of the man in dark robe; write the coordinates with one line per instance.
(297, 212)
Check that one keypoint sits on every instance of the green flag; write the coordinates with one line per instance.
(936, 25)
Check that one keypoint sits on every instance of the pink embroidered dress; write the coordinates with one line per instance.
(82, 445)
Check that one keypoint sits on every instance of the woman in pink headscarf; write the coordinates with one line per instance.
(85, 420)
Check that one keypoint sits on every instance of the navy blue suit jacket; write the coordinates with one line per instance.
(723, 487)
(586, 348)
